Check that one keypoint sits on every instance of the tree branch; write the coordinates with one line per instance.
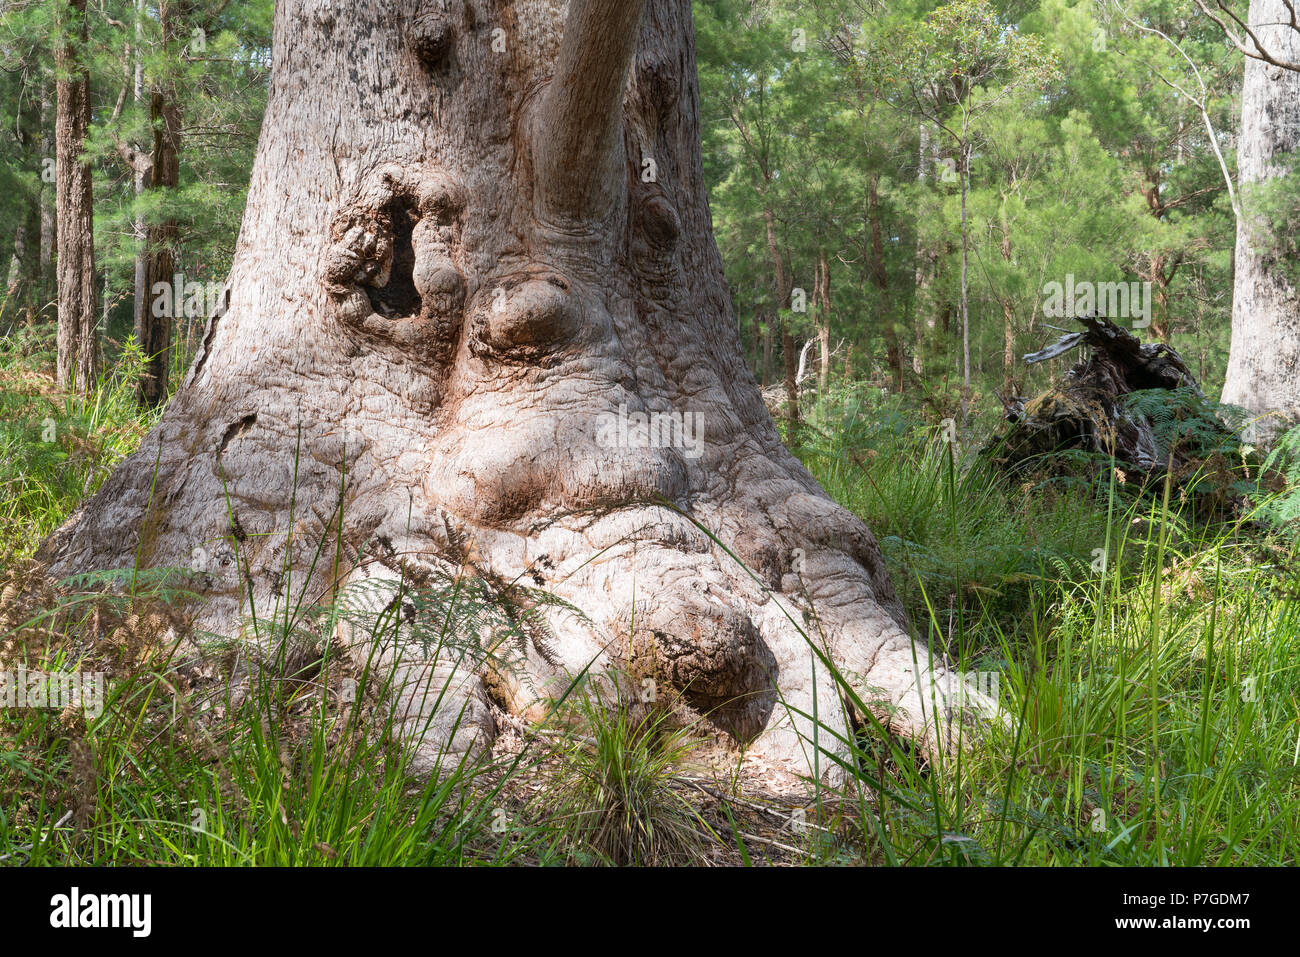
(137, 160)
(1200, 104)
(1258, 52)
(578, 135)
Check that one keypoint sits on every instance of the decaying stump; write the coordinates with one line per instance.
(1095, 410)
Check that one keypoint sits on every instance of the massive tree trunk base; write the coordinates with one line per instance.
(432, 366)
(621, 596)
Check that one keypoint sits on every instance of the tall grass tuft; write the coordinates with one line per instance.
(613, 796)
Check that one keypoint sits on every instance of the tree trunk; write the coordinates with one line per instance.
(154, 325)
(78, 359)
(880, 279)
(17, 265)
(790, 352)
(1008, 317)
(1264, 359)
(453, 283)
(767, 352)
(33, 301)
(1160, 272)
(140, 229)
(964, 153)
(823, 322)
(49, 228)
(23, 280)
(1008, 348)
(922, 307)
(783, 286)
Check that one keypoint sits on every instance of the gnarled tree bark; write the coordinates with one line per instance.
(451, 277)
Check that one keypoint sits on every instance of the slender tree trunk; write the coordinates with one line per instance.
(46, 289)
(1264, 359)
(142, 299)
(1008, 347)
(1008, 319)
(454, 289)
(823, 322)
(160, 265)
(880, 279)
(790, 352)
(783, 287)
(22, 284)
(964, 153)
(923, 308)
(32, 263)
(17, 262)
(767, 351)
(78, 359)
(1160, 273)
(153, 325)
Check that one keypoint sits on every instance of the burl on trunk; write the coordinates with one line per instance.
(476, 261)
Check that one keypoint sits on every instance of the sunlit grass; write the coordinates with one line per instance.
(1148, 662)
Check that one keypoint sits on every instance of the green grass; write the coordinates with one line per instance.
(299, 770)
(1152, 698)
(56, 449)
(612, 797)
(131, 790)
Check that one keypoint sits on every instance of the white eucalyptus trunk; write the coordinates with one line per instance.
(1264, 360)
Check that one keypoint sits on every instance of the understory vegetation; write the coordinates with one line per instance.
(1145, 659)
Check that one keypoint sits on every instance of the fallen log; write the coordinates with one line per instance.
(1136, 402)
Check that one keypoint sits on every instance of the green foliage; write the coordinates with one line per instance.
(1082, 159)
(298, 773)
(1273, 210)
(1184, 421)
(613, 793)
(212, 67)
(961, 543)
(1283, 509)
(56, 449)
(1148, 716)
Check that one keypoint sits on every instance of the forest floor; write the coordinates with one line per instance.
(1143, 640)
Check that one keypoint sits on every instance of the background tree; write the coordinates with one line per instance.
(78, 344)
(186, 141)
(23, 184)
(952, 68)
(1264, 363)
